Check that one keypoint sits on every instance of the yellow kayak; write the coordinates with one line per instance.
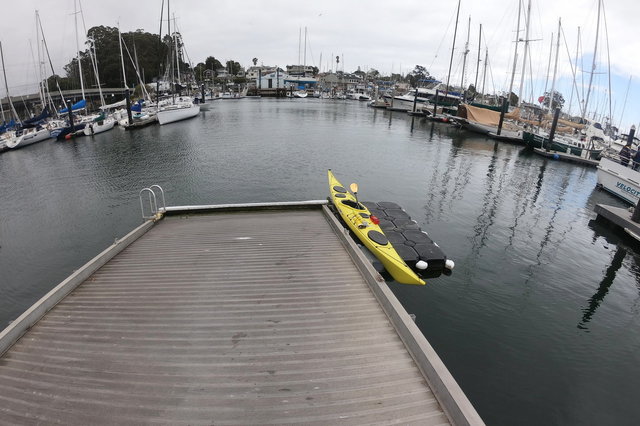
(359, 220)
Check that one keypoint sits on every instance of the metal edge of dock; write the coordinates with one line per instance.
(452, 399)
(12, 333)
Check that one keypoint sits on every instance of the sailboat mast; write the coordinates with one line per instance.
(92, 56)
(484, 72)
(515, 53)
(75, 5)
(526, 52)
(305, 49)
(464, 55)
(453, 47)
(175, 40)
(6, 85)
(606, 32)
(593, 64)
(40, 76)
(170, 53)
(53, 72)
(546, 81)
(124, 75)
(555, 66)
(573, 86)
(299, 44)
(475, 84)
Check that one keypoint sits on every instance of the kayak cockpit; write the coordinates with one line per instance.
(353, 204)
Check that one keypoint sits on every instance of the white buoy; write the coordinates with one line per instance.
(449, 264)
(421, 264)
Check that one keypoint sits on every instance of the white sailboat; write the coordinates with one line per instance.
(180, 108)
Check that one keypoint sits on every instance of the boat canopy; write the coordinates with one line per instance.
(485, 116)
(78, 105)
(114, 105)
(34, 121)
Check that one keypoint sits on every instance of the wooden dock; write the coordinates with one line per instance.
(621, 218)
(226, 315)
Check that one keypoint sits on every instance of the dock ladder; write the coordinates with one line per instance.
(153, 193)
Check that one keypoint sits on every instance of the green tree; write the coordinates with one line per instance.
(418, 73)
(212, 63)
(558, 100)
(233, 67)
(199, 71)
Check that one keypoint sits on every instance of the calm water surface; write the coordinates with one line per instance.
(540, 321)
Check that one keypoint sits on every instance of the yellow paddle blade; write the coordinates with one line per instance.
(354, 187)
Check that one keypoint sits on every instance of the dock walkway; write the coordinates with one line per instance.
(244, 317)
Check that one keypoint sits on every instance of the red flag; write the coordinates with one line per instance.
(540, 99)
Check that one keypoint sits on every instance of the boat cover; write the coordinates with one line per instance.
(485, 116)
(33, 122)
(78, 105)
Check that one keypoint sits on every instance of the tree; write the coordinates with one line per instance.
(212, 63)
(233, 67)
(146, 46)
(255, 61)
(558, 100)
(199, 71)
(418, 73)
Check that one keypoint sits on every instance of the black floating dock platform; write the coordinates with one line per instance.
(620, 217)
(412, 243)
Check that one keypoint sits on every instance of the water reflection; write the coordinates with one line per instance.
(491, 201)
(603, 287)
(625, 248)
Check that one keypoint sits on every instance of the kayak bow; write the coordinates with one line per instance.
(359, 220)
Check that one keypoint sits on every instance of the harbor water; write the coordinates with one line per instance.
(539, 322)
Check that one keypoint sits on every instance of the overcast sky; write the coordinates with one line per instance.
(390, 36)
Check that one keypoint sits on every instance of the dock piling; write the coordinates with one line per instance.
(503, 110)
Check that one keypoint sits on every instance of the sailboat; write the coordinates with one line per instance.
(30, 131)
(579, 140)
(182, 107)
(485, 120)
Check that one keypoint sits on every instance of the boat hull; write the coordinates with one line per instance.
(539, 141)
(99, 127)
(29, 138)
(621, 181)
(177, 113)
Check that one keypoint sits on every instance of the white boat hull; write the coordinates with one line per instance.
(176, 113)
(28, 139)
(619, 180)
(99, 127)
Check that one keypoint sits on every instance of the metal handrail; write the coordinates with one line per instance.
(163, 207)
(155, 212)
(153, 205)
